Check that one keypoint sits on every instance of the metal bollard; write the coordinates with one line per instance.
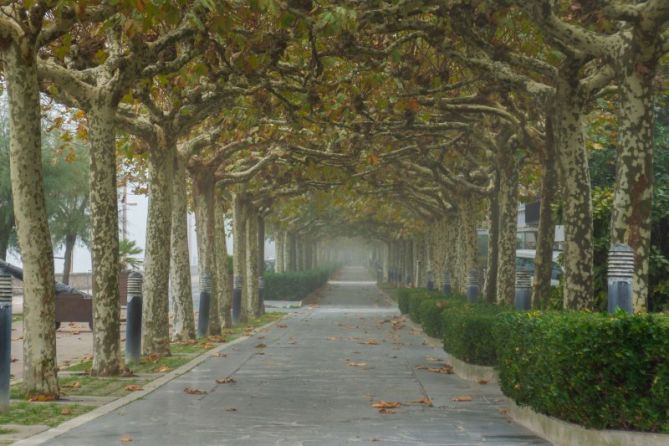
(133, 325)
(447, 284)
(430, 280)
(473, 287)
(236, 298)
(523, 296)
(205, 302)
(261, 294)
(620, 272)
(5, 337)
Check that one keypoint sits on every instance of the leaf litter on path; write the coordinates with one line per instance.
(226, 380)
(462, 398)
(386, 407)
(194, 391)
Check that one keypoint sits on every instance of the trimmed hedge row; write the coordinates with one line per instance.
(295, 285)
(596, 370)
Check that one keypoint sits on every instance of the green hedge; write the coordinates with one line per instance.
(468, 332)
(295, 285)
(600, 371)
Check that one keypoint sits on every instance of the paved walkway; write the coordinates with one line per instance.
(311, 380)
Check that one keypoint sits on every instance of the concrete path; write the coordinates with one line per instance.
(311, 380)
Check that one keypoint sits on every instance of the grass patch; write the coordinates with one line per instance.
(51, 414)
(96, 386)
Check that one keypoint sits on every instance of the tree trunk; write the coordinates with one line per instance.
(104, 236)
(205, 228)
(239, 247)
(576, 199)
(4, 241)
(155, 308)
(508, 224)
(261, 260)
(180, 278)
(490, 291)
(252, 262)
(633, 195)
(70, 240)
(32, 229)
(223, 285)
(543, 261)
(279, 241)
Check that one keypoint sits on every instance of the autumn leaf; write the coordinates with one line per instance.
(384, 406)
(357, 364)
(261, 345)
(66, 411)
(332, 338)
(153, 357)
(372, 342)
(282, 326)
(219, 355)
(194, 391)
(41, 397)
(125, 439)
(387, 411)
(424, 401)
(133, 388)
(227, 380)
(162, 369)
(483, 381)
(74, 385)
(462, 398)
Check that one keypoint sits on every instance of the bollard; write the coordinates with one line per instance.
(236, 298)
(205, 302)
(5, 337)
(447, 284)
(620, 272)
(523, 297)
(430, 280)
(133, 326)
(473, 287)
(261, 294)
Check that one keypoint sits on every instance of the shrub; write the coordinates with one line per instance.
(468, 332)
(416, 297)
(295, 285)
(429, 313)
(403, 295)
(597, 370)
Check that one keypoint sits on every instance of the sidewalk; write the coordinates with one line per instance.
(312, 380)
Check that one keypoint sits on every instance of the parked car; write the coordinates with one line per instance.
(525, 260)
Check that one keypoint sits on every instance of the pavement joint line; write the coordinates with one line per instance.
(105, 409)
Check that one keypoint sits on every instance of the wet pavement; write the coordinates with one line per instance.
(311, 379)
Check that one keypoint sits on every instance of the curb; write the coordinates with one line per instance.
(564, 433)
(123, 401)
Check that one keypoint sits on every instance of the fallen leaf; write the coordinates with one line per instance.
(194, 391)
(153, 357)
(462, 398)
(372, 342)
(208, 345)
(76, 332)
(74, 385)
(133, 388)
(381, 404)
(162, 369)
(219, 355)
(332, 338)
(282, 326)
(125, 439)
(261, 345)
(483, 381)
(227, 380)
(425, 401)
(41, 397)
(387, 411)
(357, 364)
(66, 411)
(231, 409)
(216, 338)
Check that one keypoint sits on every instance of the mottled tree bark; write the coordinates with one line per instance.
(543, 261)
(32, 229)
(575, 180)
(239, 247)
(261, 260)
(203, 190)
(252, 262)
(508, 222)
(490, 290)
(180, 278)
(104, 235)
(155, 308)
(633, 193)
(223, 285)
(279, 241)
